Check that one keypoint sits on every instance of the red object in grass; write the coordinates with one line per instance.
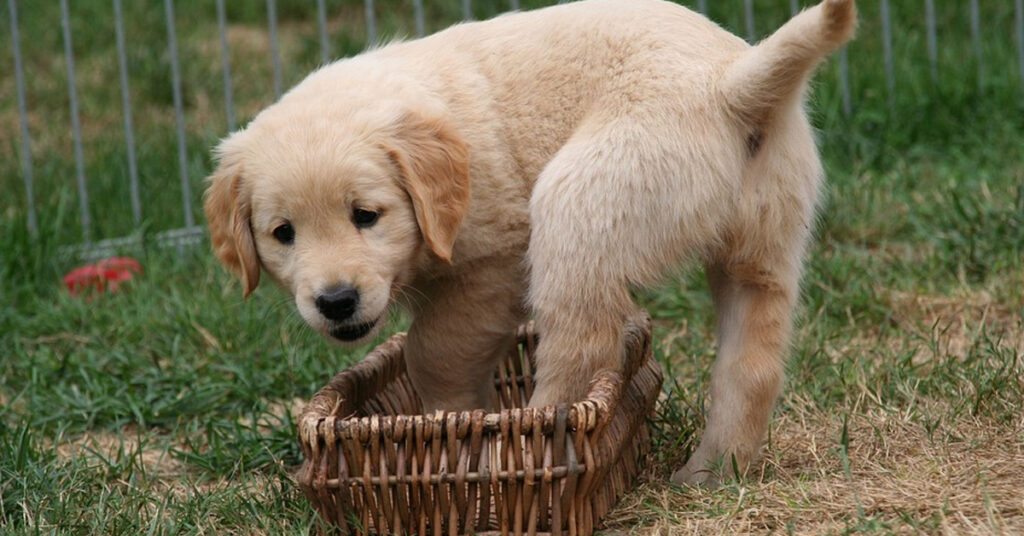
(105, 276)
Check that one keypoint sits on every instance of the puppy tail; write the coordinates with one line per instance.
(775, 70)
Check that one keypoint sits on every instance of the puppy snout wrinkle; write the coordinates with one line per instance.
(338, 303)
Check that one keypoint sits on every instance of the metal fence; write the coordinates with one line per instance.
(190, 232)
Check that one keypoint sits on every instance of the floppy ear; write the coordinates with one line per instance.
(434, 165)
(228, 211)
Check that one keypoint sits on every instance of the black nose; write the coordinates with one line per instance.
(338, 303)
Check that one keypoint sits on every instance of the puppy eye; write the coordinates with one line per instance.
(285, 234)
(364, 218)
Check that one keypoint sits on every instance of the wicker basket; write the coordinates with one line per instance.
(373, 464)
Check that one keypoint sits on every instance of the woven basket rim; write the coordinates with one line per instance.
(318, 422)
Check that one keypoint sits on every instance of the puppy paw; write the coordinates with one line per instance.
(695, 476)
(709, 467)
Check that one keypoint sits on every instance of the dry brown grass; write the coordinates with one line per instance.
(893, 475)
(955, 322)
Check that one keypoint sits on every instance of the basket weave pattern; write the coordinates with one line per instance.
(373, 464)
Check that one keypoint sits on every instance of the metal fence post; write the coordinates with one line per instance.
(844, 82)
(890, 82)
(371, 24)
(976, 42)
(933, 47)
(275, 54)
(179, 114)
(467, 10)
(1019, 18)
(748, 17)
(321, 26)
(417, 9)
(126, 106)
(76, 127)
(26, 140)
(225, 57)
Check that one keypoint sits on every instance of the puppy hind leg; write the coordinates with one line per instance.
(618, 206)
(754, 308)
(578, 290)
(578, 339)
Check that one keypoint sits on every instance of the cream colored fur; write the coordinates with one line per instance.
(547, 160)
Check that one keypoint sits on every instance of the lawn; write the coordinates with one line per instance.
(169, 408)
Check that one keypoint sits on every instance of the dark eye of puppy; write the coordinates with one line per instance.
(285, 234)
(364, 218)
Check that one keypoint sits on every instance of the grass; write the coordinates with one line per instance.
(168, 408)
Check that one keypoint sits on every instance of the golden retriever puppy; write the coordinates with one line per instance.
(550, 159)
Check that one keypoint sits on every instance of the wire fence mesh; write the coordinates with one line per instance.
(337, 23)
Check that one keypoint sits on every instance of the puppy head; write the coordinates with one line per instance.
(339, 215)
